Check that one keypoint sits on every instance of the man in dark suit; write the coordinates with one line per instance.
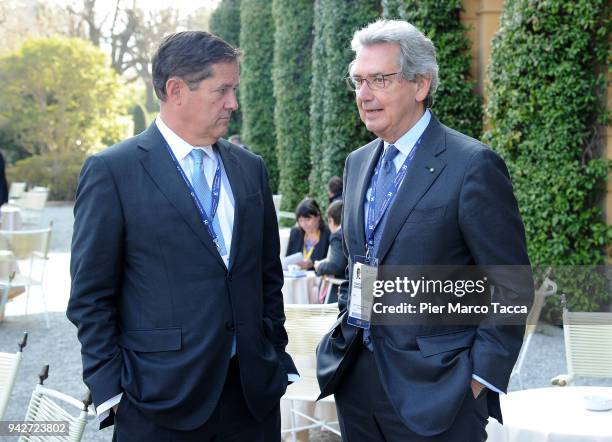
(452, 205)
(176, 277)
(335, 263)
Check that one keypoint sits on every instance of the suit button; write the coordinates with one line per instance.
(229, 326)
(229, 276)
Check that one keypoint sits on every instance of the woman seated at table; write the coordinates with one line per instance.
(311, 235)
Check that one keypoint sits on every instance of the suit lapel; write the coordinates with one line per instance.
(371, 154)
(425, 169)
(235, 176)
(162, 170)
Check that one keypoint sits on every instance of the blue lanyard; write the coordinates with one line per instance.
(216, 191)
(373, 218)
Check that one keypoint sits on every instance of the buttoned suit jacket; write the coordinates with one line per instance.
(455, 207)
(155, 306)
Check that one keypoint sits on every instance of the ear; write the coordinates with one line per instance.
(174, 90)
(423, 85)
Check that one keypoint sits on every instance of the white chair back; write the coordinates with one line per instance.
(588, 343)
(33, 200)
(9, 365)
(16, 190)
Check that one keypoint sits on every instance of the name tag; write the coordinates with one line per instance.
(361, 293)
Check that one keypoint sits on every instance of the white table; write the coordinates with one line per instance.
(301, 290)
(552, 415)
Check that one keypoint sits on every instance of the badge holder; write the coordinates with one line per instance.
(364, 273)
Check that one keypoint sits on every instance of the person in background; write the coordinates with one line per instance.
(335, 263)
(334, 189)
(310, 236)
(235, 139)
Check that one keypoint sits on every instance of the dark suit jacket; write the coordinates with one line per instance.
(155, 306)
(454, 207)
(4, 190)
(296, 243)
(335, 263)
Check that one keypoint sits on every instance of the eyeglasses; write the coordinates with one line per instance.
(375, 83)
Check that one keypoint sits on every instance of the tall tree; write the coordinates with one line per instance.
(342, 131)
(456, 103)
(546, 110)
(225, 22)
(291, 73)
(257, 45)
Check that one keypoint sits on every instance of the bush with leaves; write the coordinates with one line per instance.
(59, 171)
(291, 73)
(546, 111)
(339, 129)
(256, 91)
(59, 94)
(225, 22)
(456, 103)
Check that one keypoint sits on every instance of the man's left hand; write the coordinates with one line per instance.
(476, 388)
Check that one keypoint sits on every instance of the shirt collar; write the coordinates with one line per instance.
(180, 148)
(406, 142)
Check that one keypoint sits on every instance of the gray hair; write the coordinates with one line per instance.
(417, 52)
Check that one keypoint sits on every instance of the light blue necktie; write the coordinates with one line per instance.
(202, 191)
(386, 175)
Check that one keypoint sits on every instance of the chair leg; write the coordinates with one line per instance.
(42, 294)
(293, 424)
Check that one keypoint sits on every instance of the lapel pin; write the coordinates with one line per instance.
(431, 169)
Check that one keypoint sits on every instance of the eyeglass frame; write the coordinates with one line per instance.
(351, 84)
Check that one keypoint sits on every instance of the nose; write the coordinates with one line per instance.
(232, 100)
(364, 93)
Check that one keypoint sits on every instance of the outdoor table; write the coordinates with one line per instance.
(301, 289)
(552, 415)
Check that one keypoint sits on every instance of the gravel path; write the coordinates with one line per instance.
(58, 347)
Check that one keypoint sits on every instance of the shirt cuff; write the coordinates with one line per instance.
(104, 410)
(486, 384)
(293, 377)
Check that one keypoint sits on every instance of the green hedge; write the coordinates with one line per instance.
(57, 171)
(455, 103)
(545, 110)
(225, 22)
(291, 74)
(341, 130)
(257, 45)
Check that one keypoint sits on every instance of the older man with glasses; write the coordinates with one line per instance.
(420, 194)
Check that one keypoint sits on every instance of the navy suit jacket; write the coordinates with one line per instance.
(155, 306)
(454, 207)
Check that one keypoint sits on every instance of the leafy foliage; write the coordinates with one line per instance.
(338, 130)
(546, 109)
(291, 73)
(59, 95)
(257, 45)
(59, 171)
(456, 103)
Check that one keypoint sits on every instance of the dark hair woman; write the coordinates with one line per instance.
(310, 236)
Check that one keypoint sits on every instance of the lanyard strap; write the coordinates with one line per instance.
(308, 252)
(216, 191)
(374, 218)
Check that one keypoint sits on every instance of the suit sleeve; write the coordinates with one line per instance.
(343, 290)
(272, 278)
(96, 271)
(490, 222)
(335, 263)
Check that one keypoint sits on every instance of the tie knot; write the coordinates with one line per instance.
(389, 155)
(198, 156)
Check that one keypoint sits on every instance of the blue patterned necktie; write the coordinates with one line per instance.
(386, 175)
(202, 191)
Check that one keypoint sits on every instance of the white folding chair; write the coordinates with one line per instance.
(45, 407)
(588, 345)
(24, 252)
(546, 289)
(32, 205)
(9, 365)
(16, 190)
(305, 325)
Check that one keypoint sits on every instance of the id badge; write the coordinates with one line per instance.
(362, 293)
